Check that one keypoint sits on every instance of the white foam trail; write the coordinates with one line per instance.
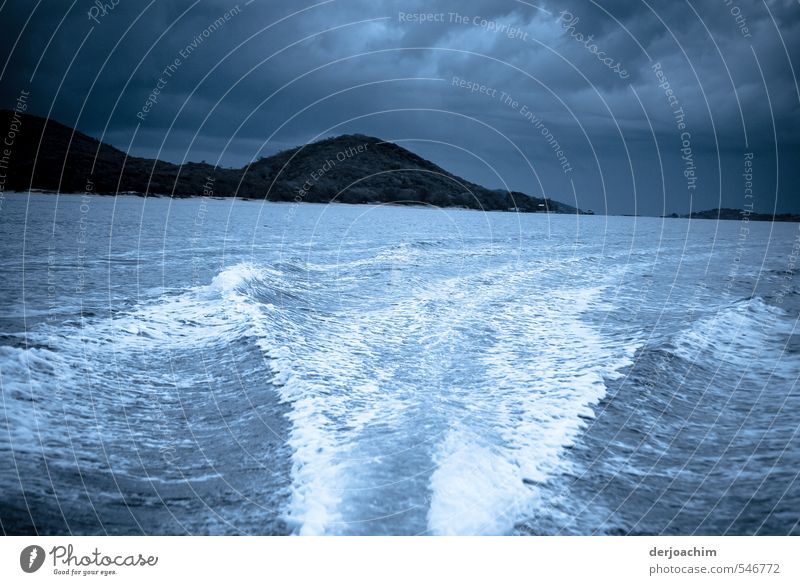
(748, 331)
(345, 374)
(335, 385)
(543, 373)
(342, 373)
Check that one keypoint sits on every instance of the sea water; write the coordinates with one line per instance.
(202, 366)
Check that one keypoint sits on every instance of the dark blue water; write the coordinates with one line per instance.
(215, 367)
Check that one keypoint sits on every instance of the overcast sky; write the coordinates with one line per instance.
(276, 74)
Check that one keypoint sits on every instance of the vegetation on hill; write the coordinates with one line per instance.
(352, 168)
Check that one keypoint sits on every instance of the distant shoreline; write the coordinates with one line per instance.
(695, 216)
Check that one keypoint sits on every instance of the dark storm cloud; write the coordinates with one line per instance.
(247, 86)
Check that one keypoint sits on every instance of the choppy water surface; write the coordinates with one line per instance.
(204, 366)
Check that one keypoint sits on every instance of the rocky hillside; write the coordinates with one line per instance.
(350, 169)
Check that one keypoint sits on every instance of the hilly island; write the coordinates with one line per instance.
(353, 168)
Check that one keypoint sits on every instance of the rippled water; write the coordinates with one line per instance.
(205, 366)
